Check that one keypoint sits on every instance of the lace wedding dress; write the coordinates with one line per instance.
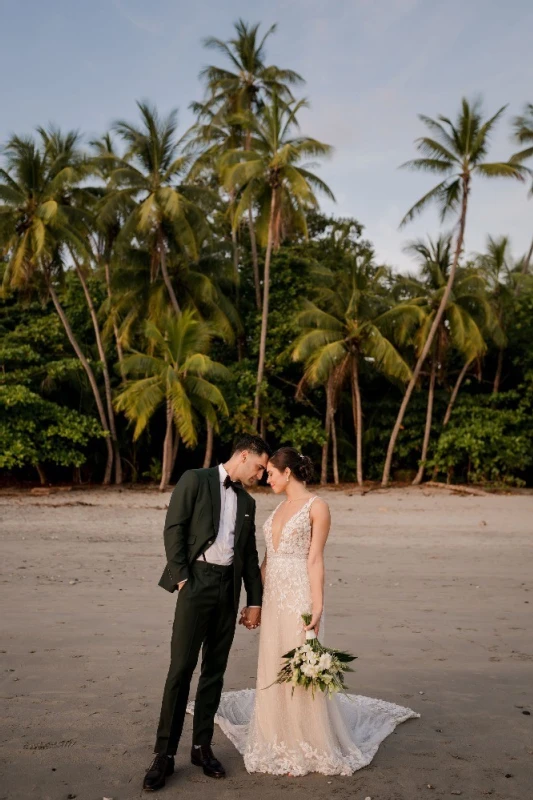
(280, 734)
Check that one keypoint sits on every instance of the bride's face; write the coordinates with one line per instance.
(276, 479)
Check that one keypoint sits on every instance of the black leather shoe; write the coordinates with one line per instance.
(203, 756)
(156, 774)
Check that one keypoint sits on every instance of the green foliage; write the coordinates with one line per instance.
(154, 471)
(303, 432)
(488, 440)
(34, 431)
(520, 331)
(174, 371)
(164, 231)
(380, 417)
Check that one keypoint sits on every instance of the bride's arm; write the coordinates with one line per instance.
(263, 569)
(320, 525)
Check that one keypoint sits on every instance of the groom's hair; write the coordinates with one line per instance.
(253, 443)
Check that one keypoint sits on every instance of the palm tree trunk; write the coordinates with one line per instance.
(429, 416)
(92, 380)
(208, 446)
(264, 319)
(253, 239)
(358, 419)
(118, 343)
(105, 370)
(236, 278)
(255, 258)
(334, 448)
(235, 247)
(167, 451)
(498, 375)
(41, 473)
(455, 392)
(325, 455)
(164, 272)
(430, 338)
(331, 432)
(449, 409)
(527, 260)
(175, 447)
(327, 426)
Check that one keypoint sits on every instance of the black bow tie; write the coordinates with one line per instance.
(228, 482)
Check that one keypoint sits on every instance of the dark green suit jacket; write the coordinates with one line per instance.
(191, 526)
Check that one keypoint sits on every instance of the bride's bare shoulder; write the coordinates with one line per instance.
(319, 508)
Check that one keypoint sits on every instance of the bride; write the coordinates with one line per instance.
(280, 733)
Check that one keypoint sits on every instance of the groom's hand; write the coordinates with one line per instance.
(250, 617)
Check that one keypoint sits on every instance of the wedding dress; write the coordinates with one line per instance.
(278, 733)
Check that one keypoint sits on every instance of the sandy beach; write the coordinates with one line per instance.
(432, 591)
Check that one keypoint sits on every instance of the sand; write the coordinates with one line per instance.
(432, 591)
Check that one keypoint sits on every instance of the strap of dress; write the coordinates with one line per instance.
(309, 504)
(272, 513)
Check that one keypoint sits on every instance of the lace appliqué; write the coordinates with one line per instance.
(286, 580)
(367, 722)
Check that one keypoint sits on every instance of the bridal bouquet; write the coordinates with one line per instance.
(314, 666)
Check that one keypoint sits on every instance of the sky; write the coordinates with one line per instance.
(371, 66)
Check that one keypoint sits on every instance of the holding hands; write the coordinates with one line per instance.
(250, 617)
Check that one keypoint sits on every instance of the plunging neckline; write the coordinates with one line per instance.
(275, 549)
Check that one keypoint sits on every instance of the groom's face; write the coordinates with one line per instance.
(251, 467)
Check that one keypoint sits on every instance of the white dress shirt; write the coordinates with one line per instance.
(221, 551)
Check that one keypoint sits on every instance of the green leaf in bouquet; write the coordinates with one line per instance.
(290, 654)
(344, 658)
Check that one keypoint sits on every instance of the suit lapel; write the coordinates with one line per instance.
(241, 508)
(214, 488)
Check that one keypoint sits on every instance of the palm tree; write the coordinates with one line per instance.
(252, 81)
(458, 152)
(65, 149)
(105, 235)
(174, 373)
(272, 175)
(202, 286)
(343, 329)
(501, 278)
(146, 177)
(39, 222)
(523, 131)
(208, 140)
(234, 95)
(466, 314)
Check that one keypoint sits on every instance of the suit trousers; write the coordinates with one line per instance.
(205, 620)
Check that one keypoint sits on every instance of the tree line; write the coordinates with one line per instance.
(164, 291)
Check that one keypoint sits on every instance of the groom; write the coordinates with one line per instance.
(210, 546)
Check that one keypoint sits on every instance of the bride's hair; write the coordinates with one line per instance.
(301, 466)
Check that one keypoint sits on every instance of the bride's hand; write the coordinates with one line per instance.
(315, 622)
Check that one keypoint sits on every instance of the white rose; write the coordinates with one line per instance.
(325, 661)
